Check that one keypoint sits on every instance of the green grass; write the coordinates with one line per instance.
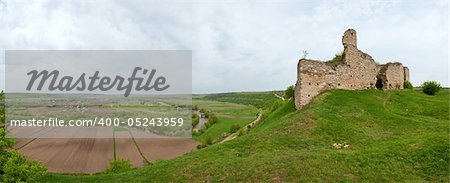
(223, 126)
(229, 114)
(394, 136)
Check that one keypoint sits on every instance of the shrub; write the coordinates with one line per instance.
(195, 119)
(431, 87)
(289, 92)
(212, 119)
(240, 133)
(207, 125)
(337, 59)
(194, 107)
(194, 132)
(201, 146)
(5, 143)
(16, 168)
(407, 85)
(234, 128)
(119, 165)
(203, 111)
(223, 136)
(208, 140)
(13, 166)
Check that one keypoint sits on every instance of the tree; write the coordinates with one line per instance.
(289, 92)
(234, 128)
(407, 85)
(18, 169)
(13, 166)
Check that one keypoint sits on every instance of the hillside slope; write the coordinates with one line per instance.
(393, 136)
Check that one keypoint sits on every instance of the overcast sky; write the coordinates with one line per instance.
(236, 45)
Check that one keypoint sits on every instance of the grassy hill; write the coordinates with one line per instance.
(394, 136)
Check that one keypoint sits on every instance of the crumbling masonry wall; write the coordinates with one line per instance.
(357, 71)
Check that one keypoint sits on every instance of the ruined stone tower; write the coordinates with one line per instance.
(353, 70)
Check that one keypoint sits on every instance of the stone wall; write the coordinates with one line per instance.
(406, 73)
(392, 75)
(357, 70)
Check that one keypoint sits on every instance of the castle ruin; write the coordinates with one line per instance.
(353, 70)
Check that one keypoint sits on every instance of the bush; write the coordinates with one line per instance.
(208, 140)
(234, 128)
(407, 85)
(240, 133)
(16, 168)
(289, 92)
(201, 146)
(337, 59)
(194, 132)
(212, 119)
(119, 165)
(431, 87)
(5, 143)
(206, 125)
(195, 119)
(13, 166)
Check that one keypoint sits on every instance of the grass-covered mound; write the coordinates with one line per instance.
(399, 136)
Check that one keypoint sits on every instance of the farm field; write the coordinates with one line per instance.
(70, 155)
(92, 155)
(91, 149)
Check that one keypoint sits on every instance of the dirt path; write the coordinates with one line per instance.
(278, 96)
(201, 121)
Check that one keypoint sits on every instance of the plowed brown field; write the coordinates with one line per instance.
(91, 155)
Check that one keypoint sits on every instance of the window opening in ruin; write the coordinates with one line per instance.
(379, 84)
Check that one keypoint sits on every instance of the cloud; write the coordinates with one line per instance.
(238, 46)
